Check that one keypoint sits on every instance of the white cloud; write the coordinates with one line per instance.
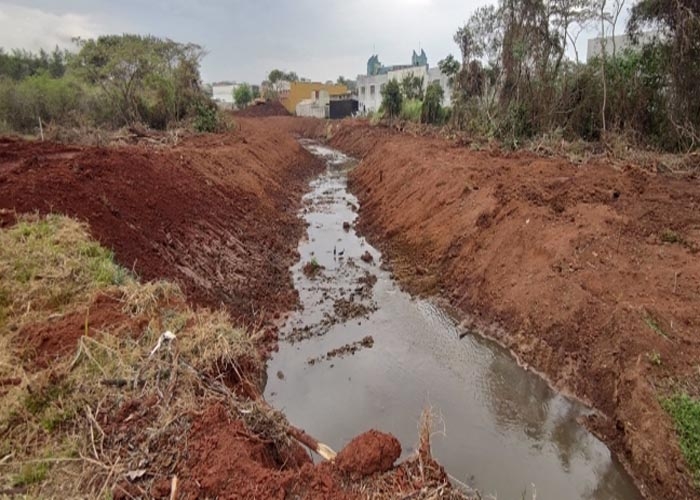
(34, 29)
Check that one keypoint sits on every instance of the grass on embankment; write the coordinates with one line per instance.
(61, 434)
(685, 412)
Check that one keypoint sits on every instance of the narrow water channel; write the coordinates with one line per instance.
(362, 354)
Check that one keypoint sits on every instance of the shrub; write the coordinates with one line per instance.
(392, 100)
(431, 110)
(207, 119)
(411, 110)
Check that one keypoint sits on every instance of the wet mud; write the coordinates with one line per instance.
(500, 428)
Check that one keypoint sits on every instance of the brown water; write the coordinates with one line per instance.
(501, 430)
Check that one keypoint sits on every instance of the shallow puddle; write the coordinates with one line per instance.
(500, 430)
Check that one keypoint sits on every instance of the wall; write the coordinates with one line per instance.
(300, 91)
(342, 108)
(369, 101)
(316, 106)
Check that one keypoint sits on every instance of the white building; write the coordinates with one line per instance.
(316, 106)
(369, 87)
(617, 44)
(223, 93)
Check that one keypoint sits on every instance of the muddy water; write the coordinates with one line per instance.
(501, 429)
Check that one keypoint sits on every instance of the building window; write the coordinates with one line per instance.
(371, 90)
(363, 90)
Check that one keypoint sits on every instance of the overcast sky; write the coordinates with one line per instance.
(245, 39)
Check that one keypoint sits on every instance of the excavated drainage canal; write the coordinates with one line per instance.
(506, 433)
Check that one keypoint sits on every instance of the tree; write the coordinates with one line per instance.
(144, 78)
(412, 86)
(431, 111)
(450, 67)
(243, 95)
(392, 99)
(350, 84)
(678, 26)
(275, 76)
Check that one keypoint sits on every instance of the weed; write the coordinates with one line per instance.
(411, 110)
(685, 412)
(654, 325)
(312, 268)
(31, 474)
(375, 118)
(38, 400)
(48, 263)
(670, 236)
(654, 358)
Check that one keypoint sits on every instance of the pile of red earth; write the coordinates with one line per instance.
(587, 273)
(215, 214)
(269, 108)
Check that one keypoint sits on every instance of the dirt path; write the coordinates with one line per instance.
(589, 274)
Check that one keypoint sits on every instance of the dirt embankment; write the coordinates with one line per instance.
(216, 214)
(589, 274)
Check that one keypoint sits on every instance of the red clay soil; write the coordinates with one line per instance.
(217, 213)
(225, 461)
(47, 342)
(369, 453)
(586, 273)
(270, 108)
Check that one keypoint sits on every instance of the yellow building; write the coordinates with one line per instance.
(299, 91)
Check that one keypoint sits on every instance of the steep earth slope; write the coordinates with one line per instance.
(589, 274)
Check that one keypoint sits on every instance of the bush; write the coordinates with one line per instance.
(411, 110)
(207, 119)
(392, 100)
(53, 100)
(431, 110)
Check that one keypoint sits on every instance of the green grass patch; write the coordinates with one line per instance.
(654, 358)
(31, 474)
(654, 325)
(670, 236)
(49, 263)
(685, 412)
(411, 110)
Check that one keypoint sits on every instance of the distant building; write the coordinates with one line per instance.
(620, 43)
(419, 60)
(322, 105)
(299, 91)
(316, 106)
(222, 93)
(369, 86)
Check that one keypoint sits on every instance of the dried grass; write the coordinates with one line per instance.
(77, 428)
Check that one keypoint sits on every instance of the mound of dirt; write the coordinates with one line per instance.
(270, 108)
(44, 343)
(369, 453)
(583, 271)
(216, 214)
